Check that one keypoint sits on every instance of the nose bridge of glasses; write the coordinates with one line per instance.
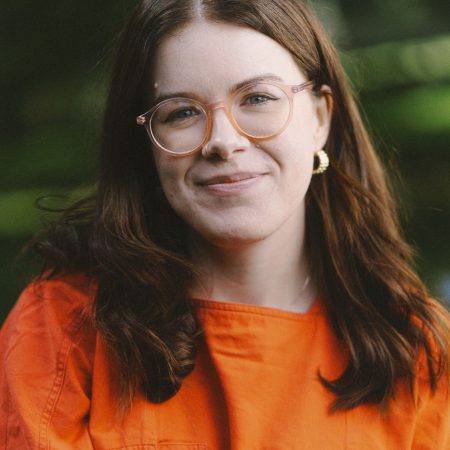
(222, 130)
(217, 105)
(224, 105)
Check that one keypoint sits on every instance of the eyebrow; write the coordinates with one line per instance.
(235, 87)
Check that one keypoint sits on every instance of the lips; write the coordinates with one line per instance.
(228, 178)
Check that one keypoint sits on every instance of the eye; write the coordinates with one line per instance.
(257, 99)
(182, 114)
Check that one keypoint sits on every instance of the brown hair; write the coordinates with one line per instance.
(128, 238)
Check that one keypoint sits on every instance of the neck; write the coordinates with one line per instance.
(272, 272)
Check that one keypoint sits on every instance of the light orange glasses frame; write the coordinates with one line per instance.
(226, 104)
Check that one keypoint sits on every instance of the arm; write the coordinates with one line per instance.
(46, 353)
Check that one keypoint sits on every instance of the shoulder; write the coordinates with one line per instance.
(56, 305)
(432, 393)
(49, 312)
(47, 348)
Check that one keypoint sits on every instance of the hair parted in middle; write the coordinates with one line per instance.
(128, 238)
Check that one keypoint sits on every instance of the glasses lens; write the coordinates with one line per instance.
(179, 125)
(261, 110)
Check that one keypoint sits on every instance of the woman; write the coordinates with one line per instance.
(238, 280)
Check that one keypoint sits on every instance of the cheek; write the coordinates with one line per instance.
(171, 172)
(171, 190)
(295, 158)
(295, 152)
(304, 126)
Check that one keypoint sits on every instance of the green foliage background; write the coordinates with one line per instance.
(53, 77)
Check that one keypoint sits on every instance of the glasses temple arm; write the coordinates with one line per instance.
(300, 87)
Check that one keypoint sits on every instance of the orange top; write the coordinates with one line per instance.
(254, 386)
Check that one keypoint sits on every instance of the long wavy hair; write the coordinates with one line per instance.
(128, 239)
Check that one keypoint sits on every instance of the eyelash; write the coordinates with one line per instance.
(171, 117)
(265, 96)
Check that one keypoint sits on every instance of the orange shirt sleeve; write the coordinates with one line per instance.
(46, 351)
(432, 430)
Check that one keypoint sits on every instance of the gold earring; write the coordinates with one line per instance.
(323, 163)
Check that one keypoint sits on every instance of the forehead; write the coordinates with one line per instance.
(210, 57)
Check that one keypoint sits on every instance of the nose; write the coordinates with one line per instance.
(224, 139)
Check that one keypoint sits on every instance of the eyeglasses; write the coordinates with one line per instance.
(258, 111)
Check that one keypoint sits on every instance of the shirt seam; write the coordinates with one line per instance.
(58, 381)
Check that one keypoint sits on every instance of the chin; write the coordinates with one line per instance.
(232, 237)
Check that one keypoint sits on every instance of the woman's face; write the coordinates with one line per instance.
(237, 191)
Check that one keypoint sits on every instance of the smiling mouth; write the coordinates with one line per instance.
(229, 179)
(231, 184)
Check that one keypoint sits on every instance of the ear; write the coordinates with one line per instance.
(323, 104)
